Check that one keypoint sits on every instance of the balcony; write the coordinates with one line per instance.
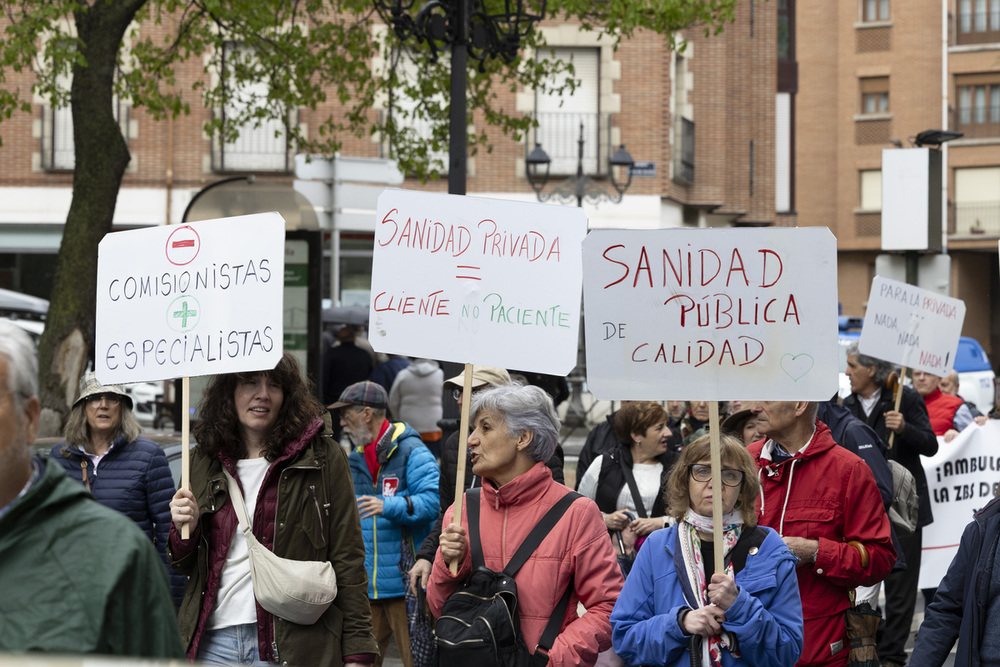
(57, 148)
(261, 148)
(684, 152)
(559, 135)
(979, 27)
(977, 122)
(974, 220)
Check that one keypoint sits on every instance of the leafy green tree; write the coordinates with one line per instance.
(309, 52)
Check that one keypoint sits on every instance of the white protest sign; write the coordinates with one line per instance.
(474, 280)
(711, 314)
(188, 300)
(961, 479)
(912, 327)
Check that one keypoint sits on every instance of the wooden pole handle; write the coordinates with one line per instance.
(463, 447)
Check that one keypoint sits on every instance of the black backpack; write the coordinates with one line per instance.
(479, 623)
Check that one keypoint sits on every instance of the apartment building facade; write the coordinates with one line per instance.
(868, 75)
(699, 124)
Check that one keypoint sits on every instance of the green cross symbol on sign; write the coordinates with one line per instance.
(184, 314)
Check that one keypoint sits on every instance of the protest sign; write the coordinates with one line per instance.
(474, 280)
(961, 479)
(912, 327)
(711, 314)
(187, 300)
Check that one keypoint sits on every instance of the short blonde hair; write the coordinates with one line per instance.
(678, 496)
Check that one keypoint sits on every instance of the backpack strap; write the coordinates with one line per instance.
(548, 637)
(748, 539)
(472, 513)
(633, 488)
(538, 533)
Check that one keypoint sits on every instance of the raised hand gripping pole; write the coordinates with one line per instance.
(899, 398)
(463, 445)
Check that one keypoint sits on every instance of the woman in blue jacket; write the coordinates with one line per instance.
(122, 470)
(669, 607)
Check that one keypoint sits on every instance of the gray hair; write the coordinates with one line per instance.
(78, 430)
(22, 362)
(882, 368)
(523, 409)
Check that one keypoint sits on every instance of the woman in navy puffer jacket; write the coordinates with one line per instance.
(123, 471)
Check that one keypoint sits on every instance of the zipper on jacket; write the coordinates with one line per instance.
(319, 514)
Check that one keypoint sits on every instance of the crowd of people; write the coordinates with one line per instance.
(101, 552)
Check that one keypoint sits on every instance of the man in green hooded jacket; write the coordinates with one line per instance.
(76, 576)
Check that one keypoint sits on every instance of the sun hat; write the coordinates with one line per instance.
(89, 385)
(482, 375)
(362, 393)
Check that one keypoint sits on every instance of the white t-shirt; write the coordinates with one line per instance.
(235, 604)
(647, 479)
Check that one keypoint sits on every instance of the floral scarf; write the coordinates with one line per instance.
(691, 553)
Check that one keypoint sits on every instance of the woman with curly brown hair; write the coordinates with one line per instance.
(268, 431)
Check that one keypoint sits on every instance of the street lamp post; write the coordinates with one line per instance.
(468, 29)
(579, 188)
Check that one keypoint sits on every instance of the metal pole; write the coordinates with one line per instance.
(457, 114)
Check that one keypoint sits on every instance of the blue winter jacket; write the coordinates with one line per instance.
(959, 607)
(134, 479)
(407, 485)
(766, 617)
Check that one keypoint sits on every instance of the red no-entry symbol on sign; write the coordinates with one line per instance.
(183, 245)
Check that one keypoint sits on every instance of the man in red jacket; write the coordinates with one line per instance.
(823, 501)
(949, 414)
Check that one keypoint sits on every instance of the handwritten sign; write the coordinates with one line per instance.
(912, 327)
(475, 280)
(189, 300)
(961, 479)
(711, 314)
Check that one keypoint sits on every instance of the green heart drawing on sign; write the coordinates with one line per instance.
(797, 366)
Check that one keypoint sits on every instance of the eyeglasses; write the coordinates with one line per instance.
(112, 399)
(703, 473)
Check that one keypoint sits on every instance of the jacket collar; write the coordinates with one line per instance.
(524, 489)
(819, 444)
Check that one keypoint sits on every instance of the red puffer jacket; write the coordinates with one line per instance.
(826, 493)
(578, 547)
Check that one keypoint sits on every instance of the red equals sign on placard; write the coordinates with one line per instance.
(470, 270)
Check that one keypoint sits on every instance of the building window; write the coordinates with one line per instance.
(261, 145)
(977, 201)
(875, 95)
(870, 198)
(561, 117)
(978, 113)
(978, 21)
(874, 10)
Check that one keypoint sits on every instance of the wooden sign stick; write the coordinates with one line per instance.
(899, 397)
(463, 445)
(185, 444)
(716, 444)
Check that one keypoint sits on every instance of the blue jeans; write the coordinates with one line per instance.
(235, 645)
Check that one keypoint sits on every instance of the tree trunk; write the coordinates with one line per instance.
(101, 158)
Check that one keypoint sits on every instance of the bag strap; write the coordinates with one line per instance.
(748, 539)
(548, 637)
(633, 488)
(538, 533)
(472, 512)
(236, 496)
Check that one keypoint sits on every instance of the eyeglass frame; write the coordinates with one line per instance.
(111, 397)
(691, 474)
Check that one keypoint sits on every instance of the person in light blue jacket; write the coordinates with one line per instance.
(669, 607)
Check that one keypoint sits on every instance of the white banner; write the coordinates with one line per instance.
(473, 280)
(711, 314)
(961, 479)
(911, 327)
(189, 300)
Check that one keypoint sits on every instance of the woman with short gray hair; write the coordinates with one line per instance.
(515, 431)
